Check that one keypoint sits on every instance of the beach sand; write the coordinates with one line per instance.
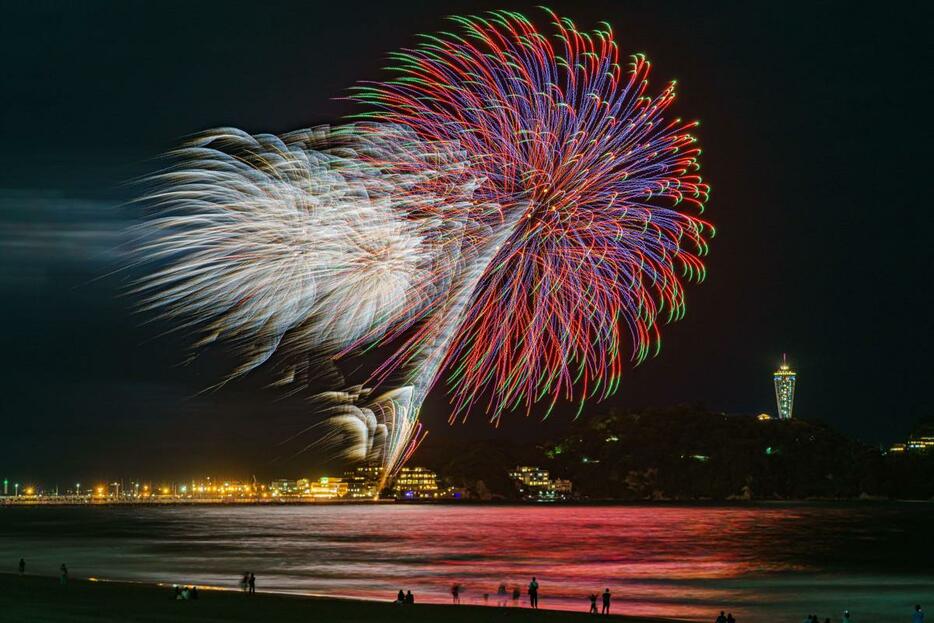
(36, 599)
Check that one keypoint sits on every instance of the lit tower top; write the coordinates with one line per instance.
(784, 379)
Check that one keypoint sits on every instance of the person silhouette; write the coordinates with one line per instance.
(516, 594)
(606, 601)
(918, 615)
(400, 598)
(252, 583)
(722, 617)
(730, 619)
(533, 593)
(501, 596)
(593, 603)
(22, 566)
(409, 597)
(64, 577)
(456, 593)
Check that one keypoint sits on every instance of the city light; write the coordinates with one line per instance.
(359, 484)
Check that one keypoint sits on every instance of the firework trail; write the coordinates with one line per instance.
(514, 209)
(433, 341)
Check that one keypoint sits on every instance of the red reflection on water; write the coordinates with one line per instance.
(635, 552)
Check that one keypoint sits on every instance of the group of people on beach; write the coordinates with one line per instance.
(63, 571)
(502, 595)
(606, 603)
(183, 593)
(248, 583)
(404, 599)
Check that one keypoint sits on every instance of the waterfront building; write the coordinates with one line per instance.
(364, 481)
(784, 379)
(416, 483)
(283, 487)
(561, 487)
(328, 488)
(535, 484)
(530, 476)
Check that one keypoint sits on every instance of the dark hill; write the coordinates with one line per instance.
(689, 453)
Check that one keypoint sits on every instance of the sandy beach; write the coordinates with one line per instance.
(38, 599)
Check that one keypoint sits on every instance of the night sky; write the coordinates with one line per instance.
(815, 136)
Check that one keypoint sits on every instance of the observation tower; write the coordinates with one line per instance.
(784, 379)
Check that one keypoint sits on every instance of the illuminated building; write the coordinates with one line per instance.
(920, 444)
(364, 481)
(784, 379)
(561, 487)
(535, 484)
(416, 482)
(283, 487)
(328, 488)
(530, 476)
(763, 417)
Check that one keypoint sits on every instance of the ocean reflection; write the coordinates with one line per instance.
(781, 561)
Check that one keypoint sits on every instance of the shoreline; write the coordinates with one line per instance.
(42, 599)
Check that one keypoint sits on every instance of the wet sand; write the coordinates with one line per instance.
(39, 599)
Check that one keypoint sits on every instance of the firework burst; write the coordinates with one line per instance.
(559, 130)
(517, 209)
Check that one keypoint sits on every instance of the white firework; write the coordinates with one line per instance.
(256, 237)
